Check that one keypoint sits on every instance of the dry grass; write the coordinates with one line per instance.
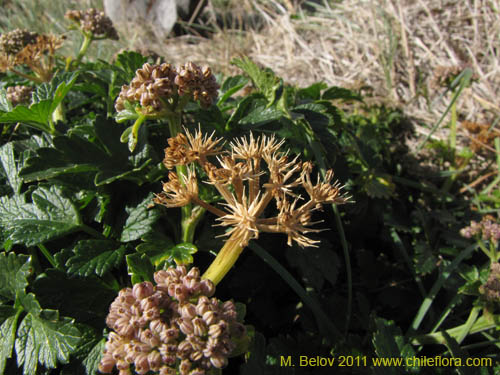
(392, 47)
(388, 47)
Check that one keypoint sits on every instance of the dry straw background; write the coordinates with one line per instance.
(388, 48)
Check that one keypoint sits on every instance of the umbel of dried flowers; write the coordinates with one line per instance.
(22, 47)
(173, 327)
(162, 89)
(251, 175)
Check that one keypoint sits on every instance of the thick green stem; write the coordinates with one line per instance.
(87, 39)
(225, 260)
(481, 324)
(189, 225)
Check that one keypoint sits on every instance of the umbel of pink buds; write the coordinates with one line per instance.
(158, 88)
(173, 327)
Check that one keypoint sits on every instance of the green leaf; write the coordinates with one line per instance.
(156, 245)
(8, 334)
(36, 116)
(45, 339)
(315, 265)
(335, 92)
(95, 257)
(56, 89)
(181, 253)
(14, 271)
(264, 79)
(10, 167)
(139, 268)
(260, 116)
(86, 299)
(230, 86)
(91, 362)
(389, 342)
(312, 92)
(256, 364)
(140, 220)
(130, 61)
(5, 104)
(50, 216)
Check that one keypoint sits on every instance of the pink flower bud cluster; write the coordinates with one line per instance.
(154, 85)
(151, 84)
(487, 229)
(491, 289)
(173, 327)
(198, 82)
(19, 94)
(94, 22)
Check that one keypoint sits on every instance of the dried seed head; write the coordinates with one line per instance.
(13, 42)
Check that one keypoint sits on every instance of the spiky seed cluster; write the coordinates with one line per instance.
(155, 87)
(487, 229)
(173, 327)
(19, 94)
(93, 21)
(198, 82)
(149, 88)
(491, 289)
(240, 178)
(14, 41)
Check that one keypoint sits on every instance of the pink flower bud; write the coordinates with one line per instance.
(143, 290)
(107, 363)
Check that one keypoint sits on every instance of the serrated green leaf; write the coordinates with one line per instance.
(5, 104)
(125, 115)
(10, 168)
(389, 342)
(130, 61)
(140, 220)
(260, 116)
(139, 268)
(312, 92)
(45, 339)
(256, 363)
(181, 253)
(230, 86)
(36, 116)
(50, 216)
(156, 246)
(14, 271)
(89, 296)
(94, 257)
(264, 79)
(91, 362)
(315, 265)
(335, 92)
(8, 335)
